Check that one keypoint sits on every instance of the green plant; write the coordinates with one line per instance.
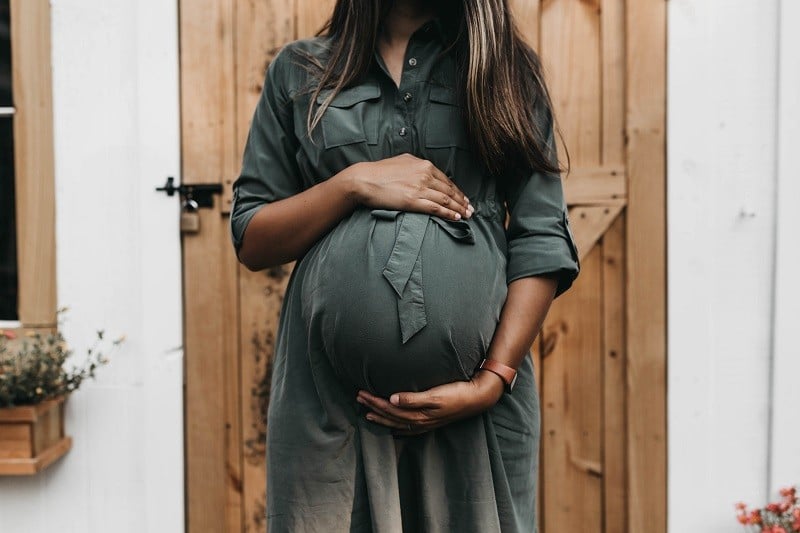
(35, 371)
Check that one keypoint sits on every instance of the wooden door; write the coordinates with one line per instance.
(601, 356)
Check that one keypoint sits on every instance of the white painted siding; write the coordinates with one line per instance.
(116, 113)
(723, 175)
(785, 458)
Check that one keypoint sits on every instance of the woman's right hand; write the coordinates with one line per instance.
(408, 183)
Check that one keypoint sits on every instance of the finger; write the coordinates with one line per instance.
(389, 422)
(386, 409)
(433, 207)
(452, 189)
(414, 400)
(442, 184)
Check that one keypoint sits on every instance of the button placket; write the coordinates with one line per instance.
(407, 91)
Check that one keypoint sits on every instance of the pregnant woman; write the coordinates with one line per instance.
(406, 158)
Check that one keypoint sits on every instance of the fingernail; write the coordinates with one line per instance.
(360, 400)
(458, 216)
(395, 399)
(465, 198)
(371, 418)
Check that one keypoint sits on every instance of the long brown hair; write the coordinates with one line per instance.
(508, 106)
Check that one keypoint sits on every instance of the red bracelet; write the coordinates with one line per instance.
(506, 373)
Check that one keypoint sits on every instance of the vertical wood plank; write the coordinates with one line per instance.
(572, 405)
(262, 294)
(612, 21)
(570, 49)
(311, 15)
(229, 309)
(261, 29)
(208, 154)
(526, 14)
(614, 422)
(646, 264)
(34, 164)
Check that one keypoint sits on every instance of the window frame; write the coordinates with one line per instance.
(34, 177)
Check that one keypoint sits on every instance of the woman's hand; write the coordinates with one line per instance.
(411, 413)
(408, 183)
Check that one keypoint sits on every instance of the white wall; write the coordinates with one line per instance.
(727, 355)
(785, 433)
(116, 112)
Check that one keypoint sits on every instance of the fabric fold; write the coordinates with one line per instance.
(403, 269)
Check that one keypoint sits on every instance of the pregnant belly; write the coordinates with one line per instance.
(403, 301)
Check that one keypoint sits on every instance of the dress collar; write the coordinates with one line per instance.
(436, 27)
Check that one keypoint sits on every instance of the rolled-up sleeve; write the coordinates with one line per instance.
(540, 240)
(269, 169)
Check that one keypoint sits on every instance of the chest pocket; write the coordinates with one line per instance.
(352, 116)
(445, 123)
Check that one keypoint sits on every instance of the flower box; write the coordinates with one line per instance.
(32, 437)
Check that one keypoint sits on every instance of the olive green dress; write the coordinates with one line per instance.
(330, 470)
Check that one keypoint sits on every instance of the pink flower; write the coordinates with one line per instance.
(773, 508)
(8, 334)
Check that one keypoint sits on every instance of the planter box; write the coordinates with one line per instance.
(32, 437)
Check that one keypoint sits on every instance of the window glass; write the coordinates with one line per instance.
(8, 230)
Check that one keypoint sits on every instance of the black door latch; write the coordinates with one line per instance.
(200, 194)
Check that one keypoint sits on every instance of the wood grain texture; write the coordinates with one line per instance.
(615, 513)
(229, 309)
(612, 46)
(34, 465)
(311, 15)
(261, 295)
(34, 164)
(596, 186)
(590, 223)
(208, 154)
(527, 16)
(572, 405)
(570, 50)
(261, 29)
(16, 441)
(646, 265)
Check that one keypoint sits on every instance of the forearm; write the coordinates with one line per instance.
(521, 318)
(284, 230)
(526, 305)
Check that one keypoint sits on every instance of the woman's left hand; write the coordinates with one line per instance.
(412, 413)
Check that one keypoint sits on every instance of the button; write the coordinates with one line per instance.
(407, 97)
(403, 132)
(413, 61)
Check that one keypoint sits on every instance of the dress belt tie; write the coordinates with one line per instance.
(403, 269)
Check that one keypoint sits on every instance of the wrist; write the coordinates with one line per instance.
(349, 178)
(491, 386)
